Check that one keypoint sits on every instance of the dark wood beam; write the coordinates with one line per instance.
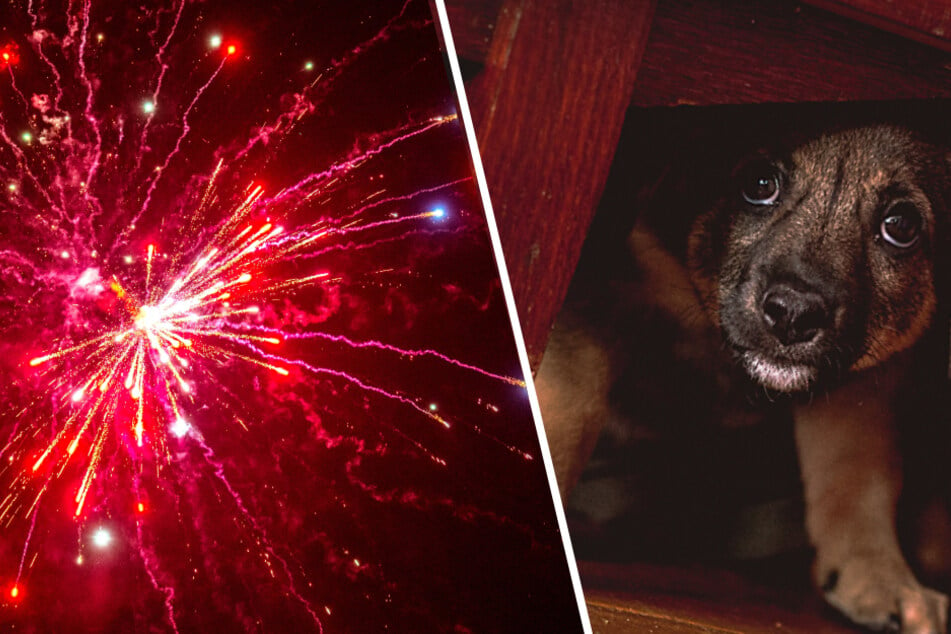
(548, 110)
(744, 51)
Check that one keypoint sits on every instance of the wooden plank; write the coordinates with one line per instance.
(548, 111)
(743, 51)
(926, 21)
(675, 614)
(640, 597)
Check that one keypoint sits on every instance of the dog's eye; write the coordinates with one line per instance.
(759, 183)
(901, 226)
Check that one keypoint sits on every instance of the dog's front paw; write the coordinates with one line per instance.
(884, 595)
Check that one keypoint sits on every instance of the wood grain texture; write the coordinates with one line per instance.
(625, 598)
(742, 51)
(548, 111)
(927, 21)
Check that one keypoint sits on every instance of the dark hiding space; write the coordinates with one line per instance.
(698, 483)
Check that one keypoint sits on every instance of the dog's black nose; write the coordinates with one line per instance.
(793, 315)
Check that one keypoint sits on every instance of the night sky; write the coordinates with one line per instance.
(258, 371)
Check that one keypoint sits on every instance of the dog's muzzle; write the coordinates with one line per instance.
(791, 331)
(795, 315)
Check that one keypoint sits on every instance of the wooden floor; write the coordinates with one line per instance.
(644, 598)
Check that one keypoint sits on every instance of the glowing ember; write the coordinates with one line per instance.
(102, 538)
(180, 428)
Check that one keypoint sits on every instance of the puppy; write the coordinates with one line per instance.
(813, 281)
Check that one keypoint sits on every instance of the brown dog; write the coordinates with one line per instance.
(816, 276)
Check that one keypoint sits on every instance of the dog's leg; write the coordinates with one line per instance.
(852, 476)
(572, 387)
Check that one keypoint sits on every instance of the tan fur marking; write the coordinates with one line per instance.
(852, 479)
(666, 280)
(572, 386)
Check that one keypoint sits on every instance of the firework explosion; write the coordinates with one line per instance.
(258, 371)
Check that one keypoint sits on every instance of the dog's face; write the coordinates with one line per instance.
(821, 261)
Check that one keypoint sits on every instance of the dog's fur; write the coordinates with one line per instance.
(808, 297)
